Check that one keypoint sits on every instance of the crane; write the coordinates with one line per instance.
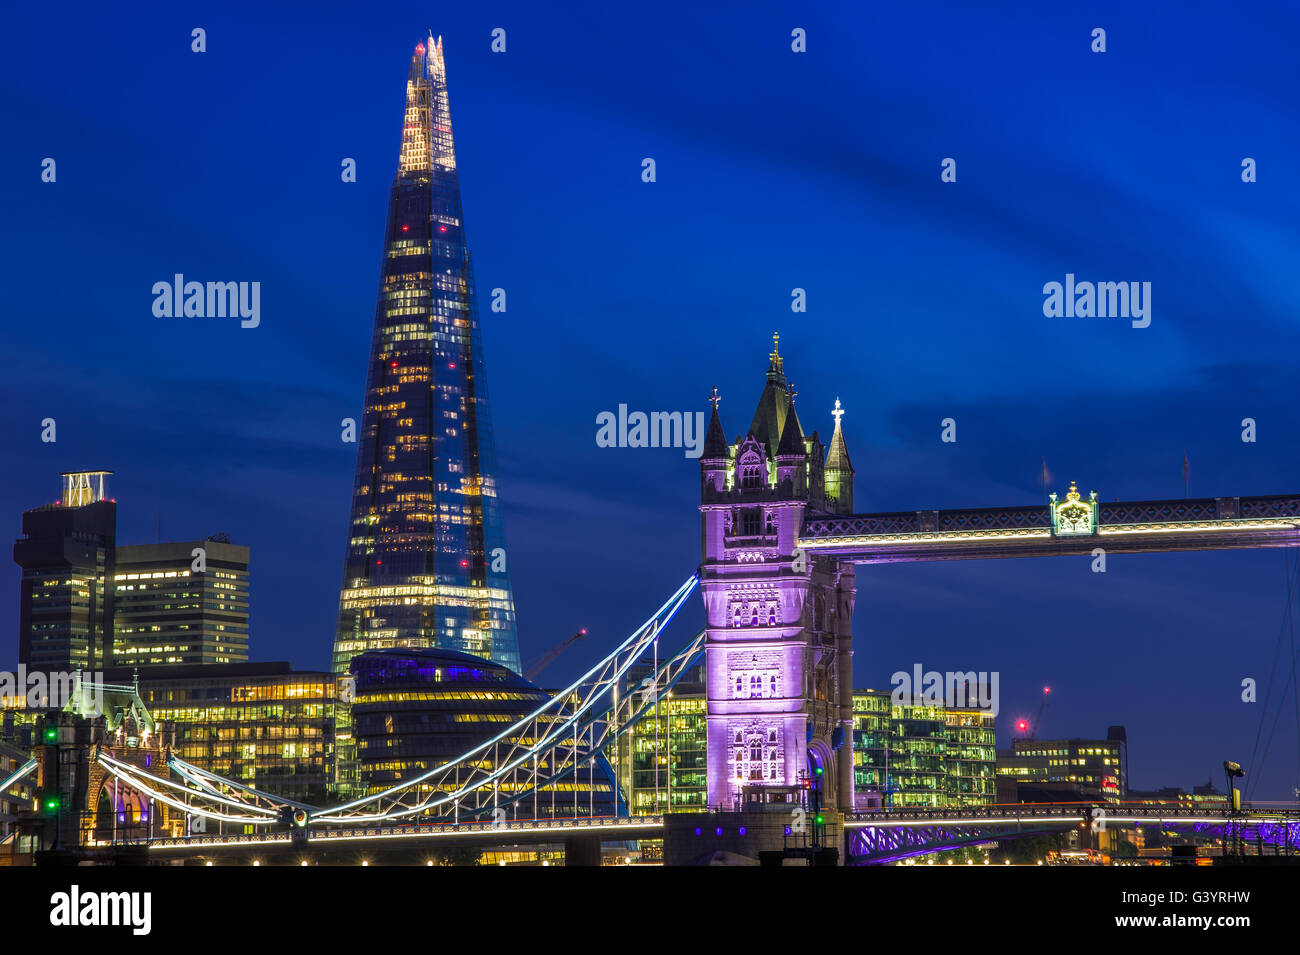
(1031, 729)
(535, 668)
(1038, 720)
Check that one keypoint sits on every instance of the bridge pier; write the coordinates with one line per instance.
(746, 837)
(582, 850)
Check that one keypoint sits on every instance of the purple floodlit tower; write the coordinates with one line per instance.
(779, 656)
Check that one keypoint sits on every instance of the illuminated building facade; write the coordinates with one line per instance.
(921, 755)
(1065, 770)
(662, 761)
(426, 559)
(779, 653)
(1207, 796)
(261, 724)
(67, 554)
(414, 710)
(166, 611)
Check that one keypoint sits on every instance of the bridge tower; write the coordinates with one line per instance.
(779, 657)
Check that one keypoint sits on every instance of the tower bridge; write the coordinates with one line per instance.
(780, 546)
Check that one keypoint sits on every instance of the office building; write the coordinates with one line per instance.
(921, 756)
(1064, 770)
(181, 603)
(661, 761)
(260, 724)
(67, 554)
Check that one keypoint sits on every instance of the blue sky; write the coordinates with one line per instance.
(775, 170)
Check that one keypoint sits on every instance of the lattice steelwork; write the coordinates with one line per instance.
(1121, 527)
(426, 560)
(526, 761)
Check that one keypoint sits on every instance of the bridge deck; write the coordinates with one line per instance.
(531, 831)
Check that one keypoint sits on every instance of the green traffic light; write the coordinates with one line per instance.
(51, 734)
(820, 820)
(819, 770)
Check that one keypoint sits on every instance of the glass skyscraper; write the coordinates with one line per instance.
(426, 559)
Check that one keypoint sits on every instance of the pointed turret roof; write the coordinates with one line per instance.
(715, 442)
(769, 418)
(792, 435)
(837, 459)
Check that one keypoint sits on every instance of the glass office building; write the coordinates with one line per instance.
(662, 761)
(426, 560)
(921, 756)
(260, 724)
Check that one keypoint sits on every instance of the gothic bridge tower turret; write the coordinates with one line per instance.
(779, 655)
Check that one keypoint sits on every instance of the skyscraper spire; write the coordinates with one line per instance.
(426, 559)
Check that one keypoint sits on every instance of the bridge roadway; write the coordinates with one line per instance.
(355, 838)
(871, 832)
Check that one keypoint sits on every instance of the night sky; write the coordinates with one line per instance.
(776, 170)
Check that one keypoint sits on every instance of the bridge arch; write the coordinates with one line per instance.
(820, 758)
(120, 812)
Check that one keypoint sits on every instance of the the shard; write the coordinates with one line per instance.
(426, 562)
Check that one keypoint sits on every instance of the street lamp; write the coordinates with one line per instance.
(1233, 771)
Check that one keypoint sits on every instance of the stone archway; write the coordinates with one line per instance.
(120, 813)
(820, 756)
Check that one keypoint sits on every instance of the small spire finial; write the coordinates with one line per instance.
(792, 391)
(776, 362)
(715, 398)
(838, 413)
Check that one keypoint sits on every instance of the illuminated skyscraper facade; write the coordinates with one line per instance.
(67, 555)
(426, 559)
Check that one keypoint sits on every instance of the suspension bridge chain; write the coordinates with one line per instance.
(17, 775)
(535, 754)
(538, 751)
(603, 728)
